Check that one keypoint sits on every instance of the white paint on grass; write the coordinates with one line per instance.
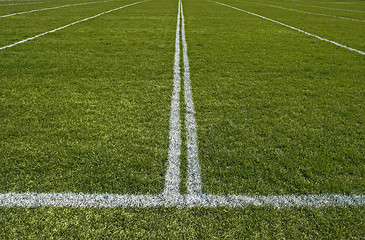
(319, 14)
(171, 196)
(194, 185)
(68, 25)
(11, 4)
(51, 8)
(125, 201)
(291, 27)
(172, 178)
(337, 9)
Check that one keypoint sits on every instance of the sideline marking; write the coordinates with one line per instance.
(50, 8)
(194, 184)
(68, 25)
(320, 14)
(116, 200)
(172, 177)
(291, 27)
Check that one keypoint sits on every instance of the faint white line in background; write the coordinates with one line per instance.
(294, 28)
(338, 9)
(194, 184)
(68, 25)
(50, 8)
(172, 177)
(320, 14)
(116, 200)
(11, 4)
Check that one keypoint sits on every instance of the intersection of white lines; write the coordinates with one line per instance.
(171, 196)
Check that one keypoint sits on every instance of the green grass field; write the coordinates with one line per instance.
(86, 109)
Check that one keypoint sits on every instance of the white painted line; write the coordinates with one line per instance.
(172, 177)
(194, 184)
(320, 14)
(51, 8)
(11, 4)
(116, 200)
(68, 25)
(338, 9)
(294, 28)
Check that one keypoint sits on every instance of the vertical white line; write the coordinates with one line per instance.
(172, 178)
(194, 180)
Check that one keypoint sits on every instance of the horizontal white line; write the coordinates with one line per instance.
(51, 8)
(294, 28)
(181, 201)
(319, 14)
(68, 25)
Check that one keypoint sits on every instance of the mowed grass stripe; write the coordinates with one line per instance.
(68, 25)
(294, 28)
(87, 110)
(51, 8)
(278, 113)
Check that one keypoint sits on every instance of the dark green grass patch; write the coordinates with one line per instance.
(170, 223)
(86, 109)
(278, 112)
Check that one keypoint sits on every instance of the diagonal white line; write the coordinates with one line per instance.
(51, 8)
(172, 178)
(320, 14)
(294, 28)
(68, 25)
(194, 180)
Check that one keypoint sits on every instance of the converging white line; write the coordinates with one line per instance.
(294, 28)
(194, 184)
(319, 14)
(172, 177)
(51, 8)
(68, 25)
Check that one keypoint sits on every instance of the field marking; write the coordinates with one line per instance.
(172, 177)
(68, 25)
(338, 9)
(186, 201)
(291, 27)
(51, 8)
(320, 14)
(171, 196)
(194, 184)
(11, 4)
